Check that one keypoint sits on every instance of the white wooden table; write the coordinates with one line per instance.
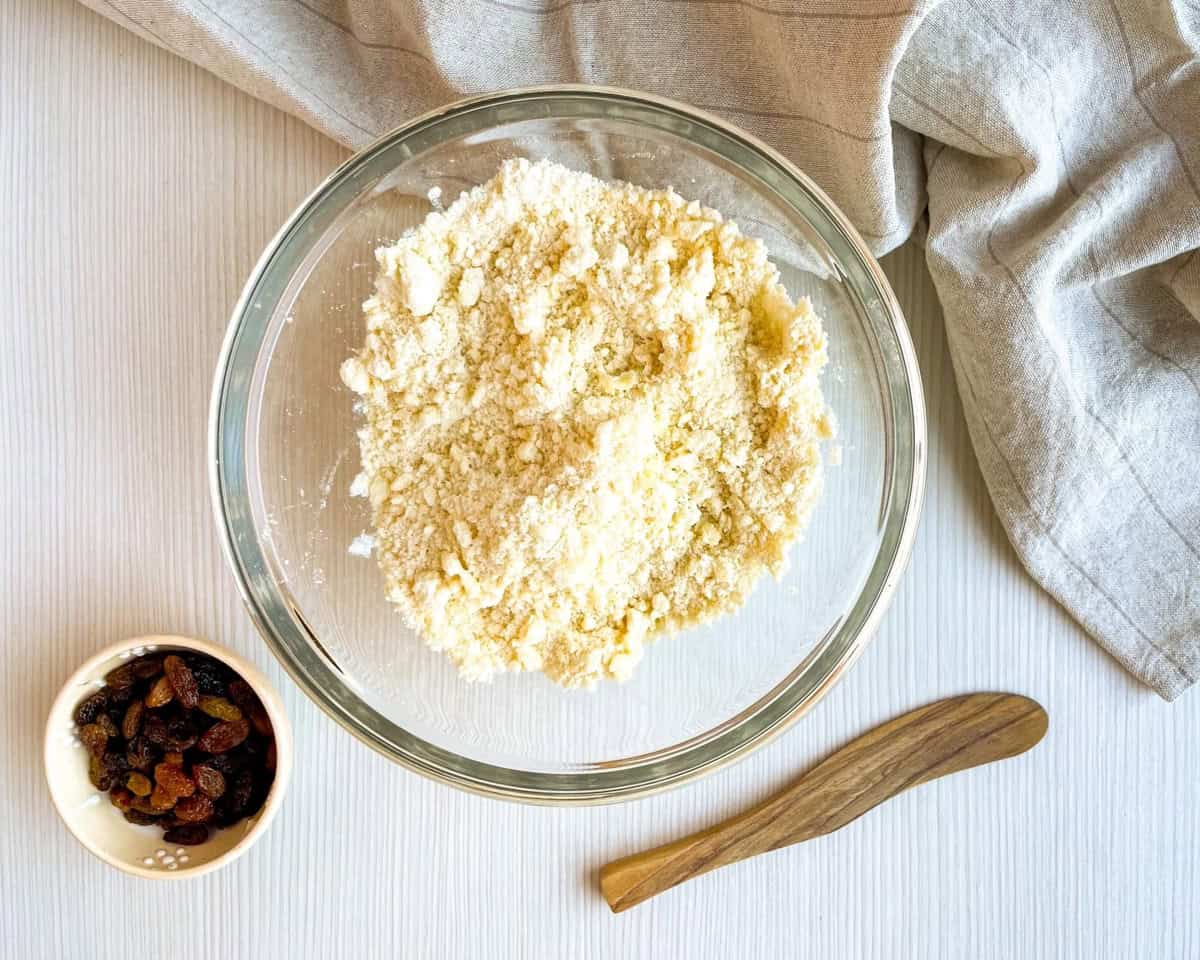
(137, 191)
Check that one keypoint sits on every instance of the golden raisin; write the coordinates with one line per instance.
(173, 781)
(194, 809)
(219, 708)
(132, 721)
(139, 784)
(160, 800)
(161, 693)
(121, 798)
(182, 681)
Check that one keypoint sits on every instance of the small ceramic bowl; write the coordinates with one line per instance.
(98, 825)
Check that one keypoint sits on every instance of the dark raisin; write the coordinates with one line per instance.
(188, 835)
(139, 754)
(173, 781)
(239, 796)
(241, 693)
(194, 809)
(154, 729)
(258, 794)
(270, 760)
(223, 736)
(91, 708)
(226, 816)
(181, 734)
(223, 763)
(146, 667)
(120, 695)
(105, 723)
(160, 694)
(131, 722)
(212, 678)
(122, 678)
(182, 681)
(141, 818)
(139, 784)
(94, 739)
(120, 798)
(210, 781)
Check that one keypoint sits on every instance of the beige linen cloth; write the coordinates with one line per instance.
(1053, 144)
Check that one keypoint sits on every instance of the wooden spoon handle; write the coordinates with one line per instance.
(930, 742)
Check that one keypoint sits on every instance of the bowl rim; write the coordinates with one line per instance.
(578, 788)
(67, 698)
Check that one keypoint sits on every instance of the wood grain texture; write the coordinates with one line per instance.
(940, 738)
(137, 193)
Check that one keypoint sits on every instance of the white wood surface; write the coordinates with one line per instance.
(137, 191)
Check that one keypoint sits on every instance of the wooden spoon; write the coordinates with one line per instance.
(941, 738)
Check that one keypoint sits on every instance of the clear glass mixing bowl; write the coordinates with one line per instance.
(284, 453)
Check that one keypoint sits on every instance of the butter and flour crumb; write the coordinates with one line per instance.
(592, 415)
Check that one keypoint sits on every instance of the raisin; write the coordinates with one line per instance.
(139, 754)
(144, 805)
(244, 696)
(160, 694)
(223, 763)
(139, 784)
(174, 757)
(91, 708)
(161, 800)
(120, 695)
(105, 723)
(188, 835)
(182, 681)
(100, 774)
(258, 795)
(270, 760)
(93, 737)
(243, 788)
(212, 678)
(173, 781)
(210, 781)
(146, 667)
(122, 678)
(140, 817)
(219, 708)
(194, 809)
(181, 734)
(131, 722)
(121, 798)
(223, 736)
(154, 729)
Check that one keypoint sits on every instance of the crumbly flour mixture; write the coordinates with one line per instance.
(592, 415)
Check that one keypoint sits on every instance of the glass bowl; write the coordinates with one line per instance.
(284, 452)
